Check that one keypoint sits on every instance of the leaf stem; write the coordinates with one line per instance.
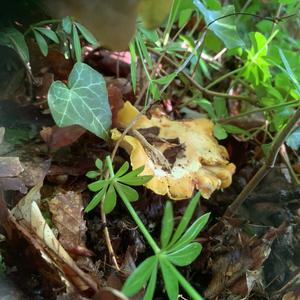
(183, 282)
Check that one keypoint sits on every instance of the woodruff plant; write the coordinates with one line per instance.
(177, 248)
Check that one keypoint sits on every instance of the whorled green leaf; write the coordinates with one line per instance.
(151, 285)
(92, 174)
(186, 218)
(50, 34)
(97, 185)
(131, 194)
(84, 101)
(110, 199)
(224, 28)
(96, 199)
(192, 232)
(98, 163)
(140, 276)
(185, 255)
(135, 181)
(42, 43)
(167, 225)
(11, 37)
(170, 280)
(88, 36)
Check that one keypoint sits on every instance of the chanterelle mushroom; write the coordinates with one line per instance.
(181, 155)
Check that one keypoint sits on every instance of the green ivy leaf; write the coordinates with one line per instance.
(224, 28)
(185, 255)
(83, 102)
(140, 276)
(167, 225)
(41, 42)
(110, 199)
(170, 280)
(12, 38)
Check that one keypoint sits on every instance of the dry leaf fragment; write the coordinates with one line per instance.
(181, 155)
(10, 166)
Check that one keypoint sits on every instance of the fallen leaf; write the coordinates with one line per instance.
(10, 166)
(116, 102)
(181, 155)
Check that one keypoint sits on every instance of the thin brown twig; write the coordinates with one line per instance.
(269, 164)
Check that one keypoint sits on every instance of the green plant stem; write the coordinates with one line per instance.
(138, 221)
(110, 166)
(269, 163)
(223, 77)
(183, 282)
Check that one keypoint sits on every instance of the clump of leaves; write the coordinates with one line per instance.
(177, 249)
(107, 188)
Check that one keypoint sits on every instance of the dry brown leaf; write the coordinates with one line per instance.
(181, 155)
(10, 166)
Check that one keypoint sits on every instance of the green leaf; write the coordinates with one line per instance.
(167, 225)
(235, 130)
(76, 44)
(92, 174)
(11, 37)
(41, 42)
(192, 232)
(151, 285)
(293, 140)
(186, 218)
(83, 102)
(166, 79)
(133, 65)
(50, 34)
(219, 132)
(220, 106)
(131, 194)
(96, 200)
(123, 169)
(170, 280)
(207, 106)
(97, 185)
(224, 28)
(185, 255)
(133, 174)
(67, 25)
(110, 199)
(140, 276)
(98, 163)
(88, 36)
(135, 181)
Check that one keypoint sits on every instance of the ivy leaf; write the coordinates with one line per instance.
(224, 28)
(83, 102)
(191, 233)
(167, 225)
(293, 140)
(170, 280)
(140, 276)
(185, 255)
(12, 38)
(110, 199)
(96, 200)
(41, 42)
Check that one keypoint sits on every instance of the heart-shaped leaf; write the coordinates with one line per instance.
(83, 101)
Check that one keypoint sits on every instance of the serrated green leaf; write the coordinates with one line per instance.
(97, 185)
(83, 102)
(12, 38)
(224, 28)
(167, 225)
(185, 255)
(41, 42)
(131, 194)
(110, 199)
(124, 168)
(139, 277)
(67, 25)
(92, 174)
(192, 232)
(186, 218)
(98, 163)
(151, 285)
(170, 280)
(76, 44)
(96, 199)
(88, 36)
(50, 34)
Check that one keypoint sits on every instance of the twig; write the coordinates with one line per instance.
(269, 163)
